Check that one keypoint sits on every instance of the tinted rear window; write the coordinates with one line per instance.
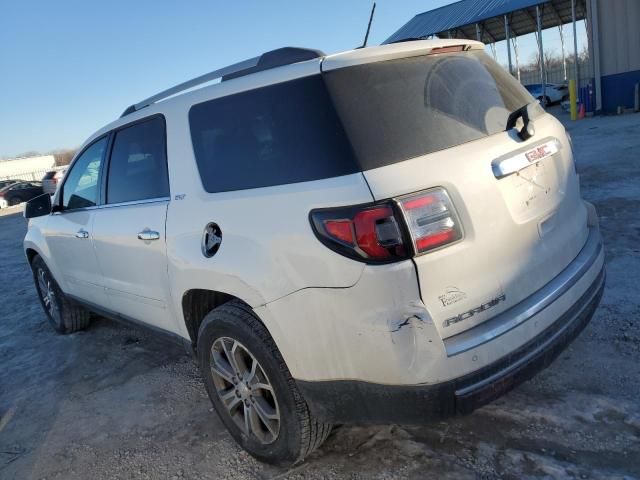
(404, 108)
(138, 165)
(283, 133)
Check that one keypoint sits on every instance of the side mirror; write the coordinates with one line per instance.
(38, 206)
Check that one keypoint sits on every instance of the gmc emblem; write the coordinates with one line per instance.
(538, 153)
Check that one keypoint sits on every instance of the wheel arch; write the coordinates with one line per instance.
(31, 254)
(198, 302)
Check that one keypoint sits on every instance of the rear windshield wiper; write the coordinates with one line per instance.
(527, 131)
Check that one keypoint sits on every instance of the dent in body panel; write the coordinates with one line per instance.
(377, 330)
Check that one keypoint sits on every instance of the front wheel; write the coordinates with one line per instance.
(65, 315)
(252, 390)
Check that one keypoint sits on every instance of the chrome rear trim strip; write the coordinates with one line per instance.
(586, 301)
(523, 157)
(532, 305)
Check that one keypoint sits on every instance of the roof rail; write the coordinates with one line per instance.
(271, 59)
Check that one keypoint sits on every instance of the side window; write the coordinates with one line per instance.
(279, 134)
(81, 187)
(138, 165)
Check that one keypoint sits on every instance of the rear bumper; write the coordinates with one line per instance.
(350, 401)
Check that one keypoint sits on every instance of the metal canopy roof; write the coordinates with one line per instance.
(459, 19)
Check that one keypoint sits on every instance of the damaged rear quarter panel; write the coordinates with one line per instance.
(377, 330)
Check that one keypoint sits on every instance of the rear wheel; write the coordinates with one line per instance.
(64, 315)
(252, 390)
(15, 201)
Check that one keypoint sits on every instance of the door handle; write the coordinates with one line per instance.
(82, 234)
(148, 235)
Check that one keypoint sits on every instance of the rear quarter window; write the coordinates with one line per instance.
(279, 134)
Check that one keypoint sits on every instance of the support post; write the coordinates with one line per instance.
(595, 35)
(564, 57)
(478, 33)
(575, 44)
(515, 51)
(543, 80)
(507, 35)
(573, 104)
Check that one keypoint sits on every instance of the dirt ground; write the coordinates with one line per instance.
(116, 402)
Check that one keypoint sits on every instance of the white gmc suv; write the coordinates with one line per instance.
(389, 234)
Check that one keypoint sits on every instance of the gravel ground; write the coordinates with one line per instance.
(116, 402)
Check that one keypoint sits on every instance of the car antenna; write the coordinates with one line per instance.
(366, 36)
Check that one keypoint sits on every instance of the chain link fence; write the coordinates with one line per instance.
(28, 176)
(556, 74)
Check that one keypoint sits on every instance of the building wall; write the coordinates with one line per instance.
(619, 42)
(619, 22)
(31, 168)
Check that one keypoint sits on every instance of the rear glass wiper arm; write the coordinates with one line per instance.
(527, 131)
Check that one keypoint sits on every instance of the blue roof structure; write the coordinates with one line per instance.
(459, 19)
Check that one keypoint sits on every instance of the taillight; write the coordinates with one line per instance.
(431, 219)
(368, 232)
(390, 231)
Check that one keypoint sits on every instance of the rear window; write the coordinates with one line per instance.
(138, 164)
(283, 133)
(399, 109)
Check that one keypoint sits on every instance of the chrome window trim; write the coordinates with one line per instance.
(134, 202)
(530, 306)
(112, 205)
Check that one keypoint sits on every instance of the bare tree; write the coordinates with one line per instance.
(551, 60)
(63, 157)
(30, 153)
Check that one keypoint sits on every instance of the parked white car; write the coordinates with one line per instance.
(552, 93)
(389, 234)
(52, 179)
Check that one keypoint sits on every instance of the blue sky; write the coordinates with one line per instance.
(68, 67)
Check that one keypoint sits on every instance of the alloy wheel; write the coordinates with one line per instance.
(245, 390)
(48, 295)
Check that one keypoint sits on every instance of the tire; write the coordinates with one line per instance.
(65, 315)
(233, 329)
(14, 201)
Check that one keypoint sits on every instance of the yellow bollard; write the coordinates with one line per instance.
(573, 100)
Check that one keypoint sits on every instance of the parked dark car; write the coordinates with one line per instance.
(6, 183)
(19, 192)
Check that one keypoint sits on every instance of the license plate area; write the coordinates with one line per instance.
(532, 188)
